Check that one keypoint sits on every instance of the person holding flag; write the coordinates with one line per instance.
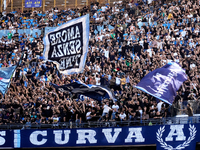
(189, 111)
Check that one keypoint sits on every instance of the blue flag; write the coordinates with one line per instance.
(93, 91)
(163, 83)
(5, 75)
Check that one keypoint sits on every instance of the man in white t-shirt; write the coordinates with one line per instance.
(106, 109)
(98, 80)
(149, 50)
(183, 33)
(88, 117)
(115, 106)
(118, 80)
(103, 8)
(190, 15)
(122, 116)
(160, 44)
(159, 105)
(106, 52)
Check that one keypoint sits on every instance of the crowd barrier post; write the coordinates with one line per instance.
(11, 5)
(1, 5)
(43, 5)
(65, 4)
(54, 3)
(86, 2)
(75, 3)
(22, 5)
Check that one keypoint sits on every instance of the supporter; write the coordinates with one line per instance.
(55, 120)
(122, 116)
(88, 115)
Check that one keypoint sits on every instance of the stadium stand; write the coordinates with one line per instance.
(128, 39)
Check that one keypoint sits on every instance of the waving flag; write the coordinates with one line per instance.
(67, 45)
(92, 91)
(163, 83)
(5, 75)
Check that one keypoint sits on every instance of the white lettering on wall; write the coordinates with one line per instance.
(34, 137)
(17, 139)
(109, 137)
(58, 136)
(134, 133)
(86, 134)
(2, 139)
(176, 130)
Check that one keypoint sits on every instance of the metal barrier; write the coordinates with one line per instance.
(63, 125)
(33, 32)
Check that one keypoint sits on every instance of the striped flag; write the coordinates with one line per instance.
(5, 76)
(93, 91)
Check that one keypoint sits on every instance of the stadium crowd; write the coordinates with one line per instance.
(146, 36)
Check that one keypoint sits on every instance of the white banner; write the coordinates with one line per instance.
(67, 45)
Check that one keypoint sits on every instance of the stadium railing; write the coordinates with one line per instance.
(45, 30)
(21, 31)
(95, 124)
